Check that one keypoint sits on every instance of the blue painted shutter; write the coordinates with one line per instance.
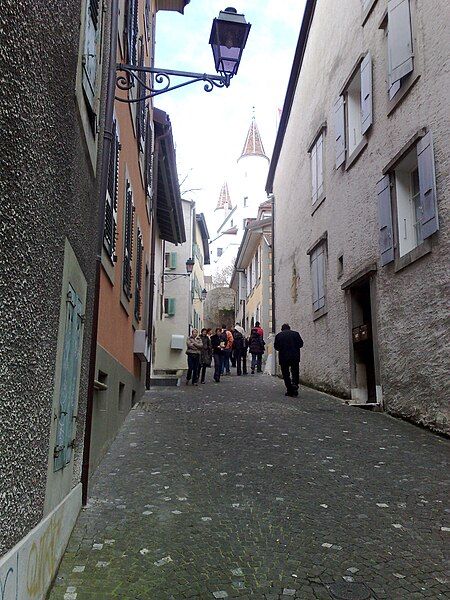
(366, 94)
(339, 131)
(427, 184)
(69, 380)
(89, 73)
(386, 239)
(173, 260)
(399, 41)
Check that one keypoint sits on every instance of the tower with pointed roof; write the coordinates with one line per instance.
(248, 193)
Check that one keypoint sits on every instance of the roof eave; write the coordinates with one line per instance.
(291, 89)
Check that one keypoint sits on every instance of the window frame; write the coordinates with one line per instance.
(411, 79)
(320, 134)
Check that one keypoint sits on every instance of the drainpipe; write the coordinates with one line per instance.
(106, 150)
(272, 199)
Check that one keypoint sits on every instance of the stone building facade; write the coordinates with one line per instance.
(361, 179)
(50, 154)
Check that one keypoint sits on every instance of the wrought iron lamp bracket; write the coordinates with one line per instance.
(129, 76)
(174, 276)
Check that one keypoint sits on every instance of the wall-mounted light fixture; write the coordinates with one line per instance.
(228, 37)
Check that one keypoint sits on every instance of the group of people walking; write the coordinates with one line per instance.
(225, 347)
(230, 346)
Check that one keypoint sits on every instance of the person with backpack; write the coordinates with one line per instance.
(205, 354)
(240, 349)
(256, 346)
(288, 344)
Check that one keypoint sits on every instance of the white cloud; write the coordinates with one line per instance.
(210, 129)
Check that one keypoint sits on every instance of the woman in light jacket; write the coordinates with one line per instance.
(194, 346)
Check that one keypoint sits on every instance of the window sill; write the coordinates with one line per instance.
(403, 91)
(317, 203)
(367, 11)
(318, 314)
(418, 252)
(356, 153)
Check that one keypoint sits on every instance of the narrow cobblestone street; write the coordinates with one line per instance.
(235, 491)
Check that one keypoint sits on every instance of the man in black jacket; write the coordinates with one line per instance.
(288, 344)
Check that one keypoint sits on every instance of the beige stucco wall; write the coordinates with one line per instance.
(410, 307)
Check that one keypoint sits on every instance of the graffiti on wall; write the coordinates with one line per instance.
(30, 570)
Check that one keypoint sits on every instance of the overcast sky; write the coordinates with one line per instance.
(210, 128)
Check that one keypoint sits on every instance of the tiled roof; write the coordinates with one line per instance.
(253, 144)
(224, 198)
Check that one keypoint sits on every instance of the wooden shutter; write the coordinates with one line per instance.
(89, 62)
(386, 240)
(110, 229)
(170, 306)
(68, 390)
(314, 173)
(321, 276)
(138, 279)
(128, 242)
(141, 108)
(131, 30)
(366, 94)
(319, 159)
(339, 131)
(399, 40)
(427, 184)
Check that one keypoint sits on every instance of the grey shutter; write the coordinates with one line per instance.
(366, 93)
(89, 72)
(427, 183)
(339, 131)
(138, 280)
(315, 280)
(141, 108)
(109, 233)
(149, 156)
(386, 241)
(399, 40)
(128, 242)
(321, 276)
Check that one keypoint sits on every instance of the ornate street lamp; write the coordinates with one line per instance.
(228, 37)
(189, 265)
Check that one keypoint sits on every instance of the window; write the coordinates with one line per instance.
(340, 266)
(90, 58)
(138, 278)
(317, 169)
(128, 241)
(399, 31)
(169, 306)
(219, 252)
(317, 260)
(131, 30)
(141, 108)
(353, 112)
(109, 233)
(245, 201)
(170, 260)
(414, 202)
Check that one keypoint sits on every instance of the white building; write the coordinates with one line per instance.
(231, 213)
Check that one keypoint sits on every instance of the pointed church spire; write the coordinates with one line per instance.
(253, 144)
(224, 198)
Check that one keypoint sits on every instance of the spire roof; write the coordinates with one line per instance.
(224, 198)
(253, 144)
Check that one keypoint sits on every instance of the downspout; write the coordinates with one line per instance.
(106, 151)
(272, 199)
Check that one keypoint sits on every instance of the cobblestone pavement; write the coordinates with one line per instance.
(234, 491)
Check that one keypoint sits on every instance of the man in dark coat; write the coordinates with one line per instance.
(288, 344)
(217, 353)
